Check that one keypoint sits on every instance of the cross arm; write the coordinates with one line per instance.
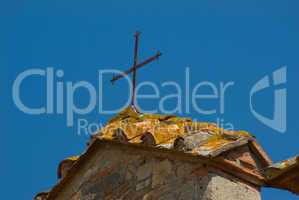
(142, 64)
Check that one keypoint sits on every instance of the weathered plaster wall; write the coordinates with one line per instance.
(119, 173)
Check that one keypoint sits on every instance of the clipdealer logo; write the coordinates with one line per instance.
(62, 94)
(279, 79)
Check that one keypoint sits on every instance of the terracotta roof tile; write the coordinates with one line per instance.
(199, 138)
(284, 175)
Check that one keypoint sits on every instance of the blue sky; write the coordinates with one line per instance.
(220, 41)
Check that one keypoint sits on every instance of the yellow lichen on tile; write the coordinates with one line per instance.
(164, 128)
(73, 158)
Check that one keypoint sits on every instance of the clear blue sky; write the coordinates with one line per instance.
(219, 40)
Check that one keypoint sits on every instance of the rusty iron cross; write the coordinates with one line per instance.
(135, 66)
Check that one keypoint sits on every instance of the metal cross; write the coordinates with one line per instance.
(135, 66)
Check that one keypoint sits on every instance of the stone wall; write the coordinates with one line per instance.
(124, 173)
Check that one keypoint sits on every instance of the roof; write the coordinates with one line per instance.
(171, 132)
(71, 159)
(41, 196)
(284, 174)
(172, 135)
(280, 168)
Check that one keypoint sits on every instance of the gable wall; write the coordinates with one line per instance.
(123, 173)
